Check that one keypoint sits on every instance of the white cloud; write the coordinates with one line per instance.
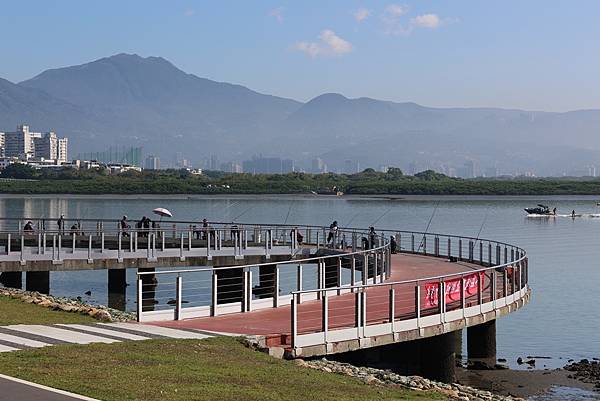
(431, 21)
(395, 10)
(392, 22)
(329, 44)
(277, 13)
(189, 12)
(361, 14)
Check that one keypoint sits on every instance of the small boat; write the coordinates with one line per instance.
(333, 191)
(540, 210)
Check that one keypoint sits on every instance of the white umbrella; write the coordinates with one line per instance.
(162, 212)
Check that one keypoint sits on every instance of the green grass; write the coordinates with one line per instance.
(14, 311)
(212, 369)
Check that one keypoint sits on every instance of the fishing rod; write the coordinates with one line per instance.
(243, 213)
(482, 224)
(288, 213)
(351, 220)
(380, 217)
(428, 224)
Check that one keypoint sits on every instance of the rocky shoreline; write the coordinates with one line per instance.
(386, 377)
(585, 371)
(72, 305)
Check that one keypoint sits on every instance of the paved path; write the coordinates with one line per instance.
(12, 389)
(23, 336)
(276, 321)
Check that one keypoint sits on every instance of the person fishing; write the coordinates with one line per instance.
(372, 237)
(124, 226)
(28, 229)
(393, 244)
(333, 229)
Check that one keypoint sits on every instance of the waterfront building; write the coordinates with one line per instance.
(49, 147)
(26, 144)
(152, 163)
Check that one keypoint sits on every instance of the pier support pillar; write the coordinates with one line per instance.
(438, 360)
(458, 344)
(481, 343)
(12, 279)
(38, 281)
(117, 284)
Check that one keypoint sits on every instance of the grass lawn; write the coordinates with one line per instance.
(14, 311)
(213, 369)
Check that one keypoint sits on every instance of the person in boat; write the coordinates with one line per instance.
(573, 213)
(333, 229)
(28, 228)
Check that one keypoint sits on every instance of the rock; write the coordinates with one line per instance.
(88, 293)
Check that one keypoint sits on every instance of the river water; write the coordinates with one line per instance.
(561, 322)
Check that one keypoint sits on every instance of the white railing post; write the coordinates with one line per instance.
(294, 319)
(44, 243)
(418, 305)
(365, 272)
(178, 296)
(339, 275)
(392, 301)
(299, 283)
(39, 243)
(101, 242)
(276, 288)
(325, 314)
(22, 248)
(213, 297)
(181, 257)
(352, 272)
(119, 249)
(90, 249)
(442, 301)
(140, 298)
(59, 246)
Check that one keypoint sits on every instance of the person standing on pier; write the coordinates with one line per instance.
(60, 223)
(333, 229)
(124, 226)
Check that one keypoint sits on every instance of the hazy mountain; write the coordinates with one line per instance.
(130, 100)
(151, 102)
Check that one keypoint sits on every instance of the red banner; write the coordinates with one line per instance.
(453, 289)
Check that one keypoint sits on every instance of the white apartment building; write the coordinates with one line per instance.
(26, 144)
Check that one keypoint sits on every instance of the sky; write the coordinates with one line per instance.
(534, 55)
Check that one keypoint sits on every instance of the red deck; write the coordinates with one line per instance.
(276, 321)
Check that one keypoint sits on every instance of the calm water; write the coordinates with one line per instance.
(560, 322)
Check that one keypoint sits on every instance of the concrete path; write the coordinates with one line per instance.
(23, 336)
(13, 389)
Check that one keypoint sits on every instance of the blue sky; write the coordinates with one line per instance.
(541, 55)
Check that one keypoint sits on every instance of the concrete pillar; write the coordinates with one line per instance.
(38, 281)
(458, 344)
(438, 360)
(481, 343)
(117, 284)
(12, 279)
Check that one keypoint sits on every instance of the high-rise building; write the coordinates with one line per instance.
(1, 144)
(48, 146)
(25, 144)
(231, 167)
(152, 163)
(318, 166)
(491, 172)
(351, 167)
(268, 165)
(214, 163)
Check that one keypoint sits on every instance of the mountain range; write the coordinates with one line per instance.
(128, 100)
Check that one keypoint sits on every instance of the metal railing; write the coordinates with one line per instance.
(392, 307)
(94, 239)
(210, 291)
